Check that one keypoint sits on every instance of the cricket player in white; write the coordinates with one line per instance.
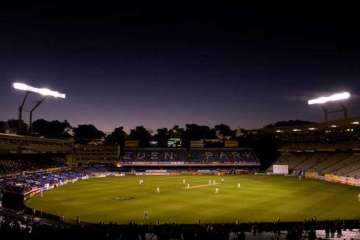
(146, 214)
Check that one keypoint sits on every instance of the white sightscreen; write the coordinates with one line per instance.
(280, 169)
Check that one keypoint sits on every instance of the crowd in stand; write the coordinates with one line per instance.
(32, 228)
(9, 166)
(41, 180)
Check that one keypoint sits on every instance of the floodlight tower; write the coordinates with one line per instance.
(337, 97)
(31, 112)
(22, 105)
(45, 92)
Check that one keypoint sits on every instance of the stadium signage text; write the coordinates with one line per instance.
(194, 155)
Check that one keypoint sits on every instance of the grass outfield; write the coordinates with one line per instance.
(259, 198)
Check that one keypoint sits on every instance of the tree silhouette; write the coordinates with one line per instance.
(16, 126)
(86, 133)
(264, 145)
(4, 127)
(222, 131)
(289, 123)
(162, 137)
(118, 136)
(141, 134)
(51, 129)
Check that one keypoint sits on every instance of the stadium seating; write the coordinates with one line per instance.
(26, 144)
(154, 154)
(338, 163)
(13, 226)
(182, 156)
(222, 155)
(14, 165)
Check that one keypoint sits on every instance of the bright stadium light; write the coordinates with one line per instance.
(41, 91)
(44, 92)
(332, 98)
(336, 97)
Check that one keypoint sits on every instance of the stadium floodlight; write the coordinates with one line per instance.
(336, 97)
(332, 98)
(41, 91)
(44, 92)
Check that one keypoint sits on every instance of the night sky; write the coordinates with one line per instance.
(158, 66)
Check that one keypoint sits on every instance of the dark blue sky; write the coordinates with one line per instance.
(158, 66)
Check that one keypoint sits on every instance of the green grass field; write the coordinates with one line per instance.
(259, 198)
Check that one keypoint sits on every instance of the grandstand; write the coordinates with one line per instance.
(93, 154)
(322, 150)
(12, 144)
(195, 157)
(16, 164)
(18, 188)
(340, 135)
(24, 153)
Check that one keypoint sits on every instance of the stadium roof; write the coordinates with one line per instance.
(322, 126)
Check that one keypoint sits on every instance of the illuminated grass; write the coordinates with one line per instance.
(260, 198)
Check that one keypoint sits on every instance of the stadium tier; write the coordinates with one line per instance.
(329, 151)
(24, 145)
(20, 153)
(16, 164)
(89, 154)
(342, 135)
(192, 157)
(23, 153)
